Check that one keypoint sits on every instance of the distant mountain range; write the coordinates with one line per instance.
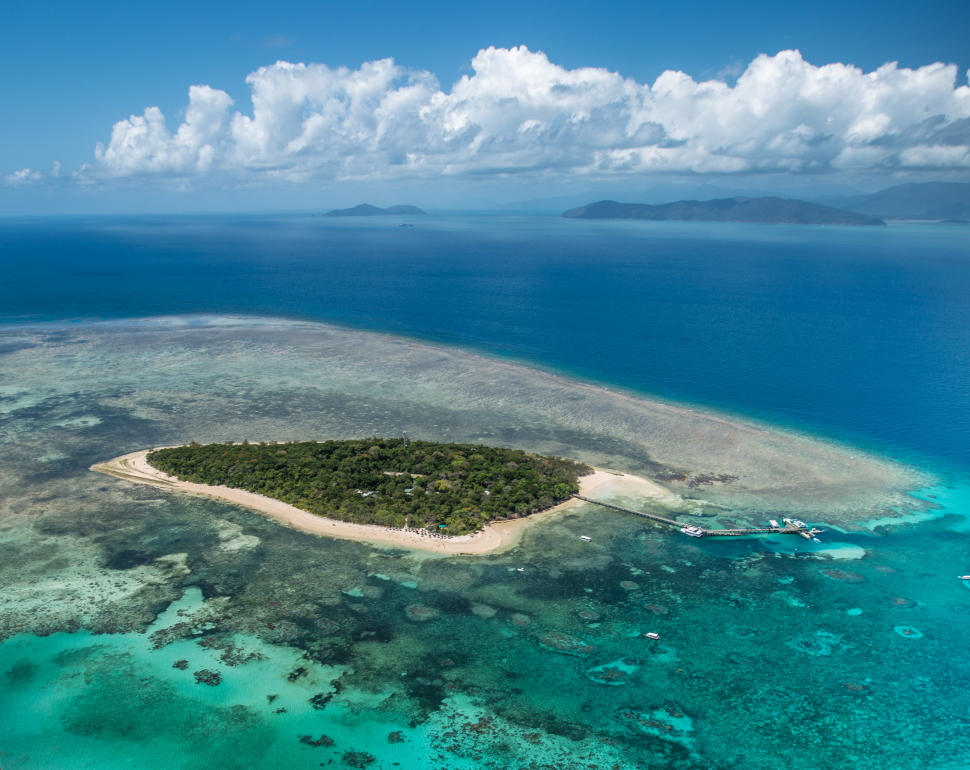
(366, 210)
(927, 200)
(763, 210)
(948, 201)
(664, 193)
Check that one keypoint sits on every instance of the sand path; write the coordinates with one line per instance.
(497, 536)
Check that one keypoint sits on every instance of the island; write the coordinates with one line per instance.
(754, 210)
(945, 201)
(388, 482)
(446, 498)
(366, 210)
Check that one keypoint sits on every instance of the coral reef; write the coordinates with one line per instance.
(207, 676)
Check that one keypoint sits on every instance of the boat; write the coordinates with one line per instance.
(693, 531)
(964, 577)
(652, 635)
(521, 569)
(800, 524)
(585, 538)
(773, 523)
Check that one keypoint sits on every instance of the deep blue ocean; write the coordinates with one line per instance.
(862, 334)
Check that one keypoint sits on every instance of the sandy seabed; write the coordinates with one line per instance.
(497, 536)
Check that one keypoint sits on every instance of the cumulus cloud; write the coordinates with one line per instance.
(29, 176)
(519, 113)
(24, 176)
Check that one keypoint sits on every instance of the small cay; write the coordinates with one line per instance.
(451, 489)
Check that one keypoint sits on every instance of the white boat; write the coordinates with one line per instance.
(585, 538)
(652, 635)
(521, 569)
(773, 523)
(693, 531)
(799, 524)
(964, 577)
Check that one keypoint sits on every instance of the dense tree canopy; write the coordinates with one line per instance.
(451, 488)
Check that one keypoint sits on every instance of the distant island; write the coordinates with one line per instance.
(454, 489)
(757, 210)
(947, 201)
(366, 210)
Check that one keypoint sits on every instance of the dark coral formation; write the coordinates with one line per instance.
(323, 741)
(207, 676)
(230, 654)
(358, 759)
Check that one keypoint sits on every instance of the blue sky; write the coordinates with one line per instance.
(74, 70)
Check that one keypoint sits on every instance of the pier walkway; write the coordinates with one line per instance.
(790, 528)
(650, 516)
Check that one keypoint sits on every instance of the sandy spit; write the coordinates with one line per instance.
(497, 536)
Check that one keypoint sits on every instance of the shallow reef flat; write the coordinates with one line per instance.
(144, 628)
(209, 379)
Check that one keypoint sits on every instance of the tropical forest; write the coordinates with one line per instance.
(452, 489)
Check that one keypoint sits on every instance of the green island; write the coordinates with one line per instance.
(451, 488)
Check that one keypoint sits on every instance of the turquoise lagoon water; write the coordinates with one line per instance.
(147, 630)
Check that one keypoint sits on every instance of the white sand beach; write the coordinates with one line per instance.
(497, 536)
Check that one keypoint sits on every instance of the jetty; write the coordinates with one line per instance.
(792, 526)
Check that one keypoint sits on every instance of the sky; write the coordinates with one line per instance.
(120, 106)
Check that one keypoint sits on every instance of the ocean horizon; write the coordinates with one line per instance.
(720, 315)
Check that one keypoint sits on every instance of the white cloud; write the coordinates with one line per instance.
(24, 176)
(29, 176)
(142, 144)
(521, 114)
